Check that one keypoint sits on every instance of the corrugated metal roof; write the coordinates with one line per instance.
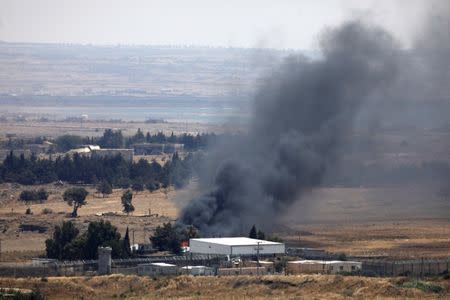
(236, 241)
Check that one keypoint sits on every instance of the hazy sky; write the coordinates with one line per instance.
(244, 23)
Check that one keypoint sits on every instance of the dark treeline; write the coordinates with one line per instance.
(92, 170)
(67, 243)
(121, 173)
(115, 139)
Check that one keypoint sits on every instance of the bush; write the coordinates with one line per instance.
(342, 257)
(47, 211)
(104, 188)
(28, 195)
(152, 186)
(424, 286)
(137, 186)
(42, 194)
(123, 183)
(28, 211)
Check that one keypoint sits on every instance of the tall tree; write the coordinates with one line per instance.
(127, 204)
(126, 244)
(253, 233)
(75, 197)
(104, 188)
(62, 236)
(166, 238)
(261, 235)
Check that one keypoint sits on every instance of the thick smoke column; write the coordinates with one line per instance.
(301, 115)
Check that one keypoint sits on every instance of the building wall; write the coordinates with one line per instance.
(211, 248)
(127, 154)
(253, 250)
(242, 271)
(157, 270)
(321, 267)
(208, 248)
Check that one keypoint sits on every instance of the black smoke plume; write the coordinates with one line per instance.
(302, 114)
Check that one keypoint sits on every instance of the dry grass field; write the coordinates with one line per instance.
(151, 209)
(361, 222)
(233, 287)
(411, 239)
(403, 222)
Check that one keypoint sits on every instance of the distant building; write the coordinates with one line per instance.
(92, 147)
(308, 253)
(235, 246)
(43, 148)
(156, 148)
(242, 271)
(322, 267)
(127, 154)
(93, 150)
(84, 151)
(159, 268)
(197, 270)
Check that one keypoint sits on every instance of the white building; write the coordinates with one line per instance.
(198, 270)
(158, 268)
(235, 246)
(321, 266)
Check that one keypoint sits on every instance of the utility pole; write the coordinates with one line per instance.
(257, 258)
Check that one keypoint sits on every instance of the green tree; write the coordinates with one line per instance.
(62, 236)
(102, 234)
(152, 186)
(42, 194)
(67, 142)
(126, 244)
(253, 233)
(166, 238)
(127, 204)
(111, 139)
(75, 197)
(260, 235)
(67, 243)
(137, 186)
(28, 195)
(104, 188)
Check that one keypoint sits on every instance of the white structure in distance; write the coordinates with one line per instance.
(235, 246)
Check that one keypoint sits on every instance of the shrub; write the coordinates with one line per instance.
(152, 186)
(28, 195)
(137, 186)
(28, 211)
(42, 194)
(47, 211)
(123, 183)
(424, 286)
(342, 257)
